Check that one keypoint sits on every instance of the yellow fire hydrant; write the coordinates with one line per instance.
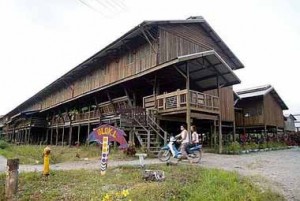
(46, 155)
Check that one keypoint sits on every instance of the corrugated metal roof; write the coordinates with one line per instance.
(261, 91)
(205, 75)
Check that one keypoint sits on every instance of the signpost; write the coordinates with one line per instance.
(103, 135)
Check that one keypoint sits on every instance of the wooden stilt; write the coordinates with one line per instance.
(47, 136)
(63, 136)
(234, 132)
(56, 139)
(29, 135)
(88, 131)
(265, 131)
(51, 136)
(26, 137)
(188, 102)
(215, 133)
(70, 136)
(220, 120)
(78, 134)
(13, 135)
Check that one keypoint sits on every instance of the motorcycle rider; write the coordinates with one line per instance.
(184, 141)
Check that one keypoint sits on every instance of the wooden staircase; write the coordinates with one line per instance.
(149, 134)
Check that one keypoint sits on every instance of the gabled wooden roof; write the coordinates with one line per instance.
(261, 91)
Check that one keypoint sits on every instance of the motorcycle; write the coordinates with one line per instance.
(165, 153)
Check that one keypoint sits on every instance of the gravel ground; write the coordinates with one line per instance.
(279, 170)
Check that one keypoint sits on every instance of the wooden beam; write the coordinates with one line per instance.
(89, 125)
(111, 102)
(171, 118)
(70, 135)
(215, 69)
(127, 95)
(47, 136)
(56, 135)
(51, 136)
(215, 134)
(180, 71)
(148, 40)
(29, 135)
(204, 116)
(188, 102)
(63, 136)
(234, 132)
(220, 120)
(78, 134)
(208, 76)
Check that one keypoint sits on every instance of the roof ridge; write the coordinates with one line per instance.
(254, 89)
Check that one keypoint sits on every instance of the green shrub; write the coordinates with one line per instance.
(3, 144)
(262, 145)
(246, 146)
(234, 147)
(253, 145)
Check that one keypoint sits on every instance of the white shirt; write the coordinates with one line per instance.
(195, 137)
(187, 139)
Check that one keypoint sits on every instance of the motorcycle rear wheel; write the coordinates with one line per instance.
(198, 156)
(164, 155)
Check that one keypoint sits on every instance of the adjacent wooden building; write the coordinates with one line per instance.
(156, 76)
(289, 123)
(259, 110)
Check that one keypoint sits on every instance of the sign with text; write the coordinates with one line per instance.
(114, 135)
(103, 135)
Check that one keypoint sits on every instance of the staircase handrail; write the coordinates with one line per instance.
(156, 131)
(139, 123)
(158, 126)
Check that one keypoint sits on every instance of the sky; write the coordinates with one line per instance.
(40, 40)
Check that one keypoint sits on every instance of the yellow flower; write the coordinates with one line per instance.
(106, 197)
(118, 194)
(125, 193)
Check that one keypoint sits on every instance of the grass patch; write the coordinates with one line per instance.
(32, 154)
(182, 183)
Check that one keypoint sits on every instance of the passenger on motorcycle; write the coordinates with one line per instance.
(184, 141)
(195, 136)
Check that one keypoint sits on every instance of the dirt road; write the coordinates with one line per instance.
(279, 170)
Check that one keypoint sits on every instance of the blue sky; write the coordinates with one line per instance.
(41, 40)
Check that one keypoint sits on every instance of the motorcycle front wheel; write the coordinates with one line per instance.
(164, 155)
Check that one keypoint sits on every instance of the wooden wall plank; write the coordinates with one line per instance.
(143, 58)
(227, 102)
(178, 39)
(272, 112)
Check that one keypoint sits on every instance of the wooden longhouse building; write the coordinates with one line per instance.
(156, 76)
(259, 110)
